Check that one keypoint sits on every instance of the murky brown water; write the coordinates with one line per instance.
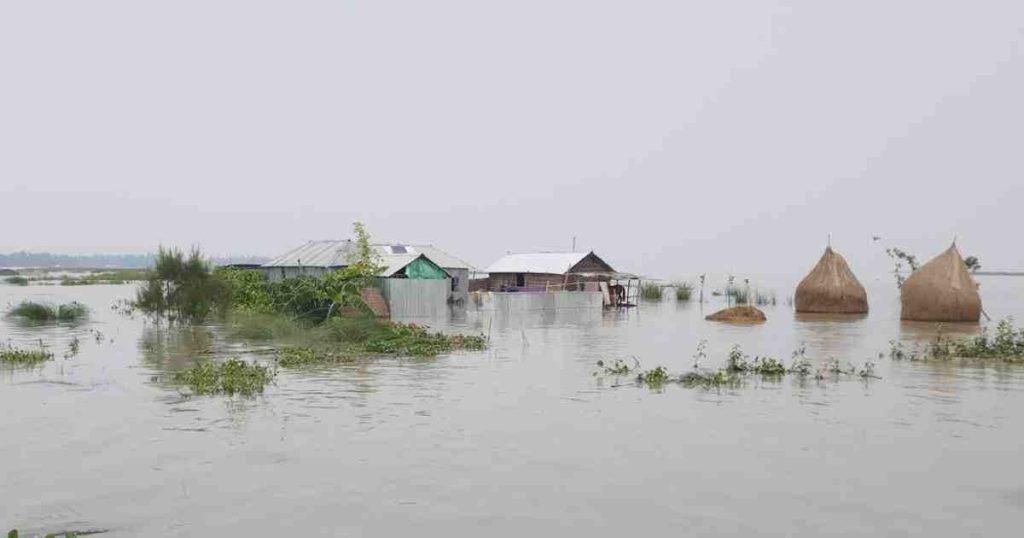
(518, 439)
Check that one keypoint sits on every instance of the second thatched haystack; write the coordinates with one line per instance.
(831, 288)
(941, 290)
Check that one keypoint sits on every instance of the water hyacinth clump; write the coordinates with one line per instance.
(296, 357)
(233, 376)
(34, 311)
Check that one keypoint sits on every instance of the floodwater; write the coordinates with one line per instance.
(520, 439)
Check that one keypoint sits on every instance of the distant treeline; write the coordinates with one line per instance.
(96, 261)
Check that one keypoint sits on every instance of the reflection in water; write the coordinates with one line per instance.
(920, 331)
(831, 335)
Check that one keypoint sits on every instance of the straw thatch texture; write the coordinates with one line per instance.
(831, 288)
(739, 314)
(941, 290)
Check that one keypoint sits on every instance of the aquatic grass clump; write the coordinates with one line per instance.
(654, 378)
(1006, 345)
(765, 299)
(34, 311)
(24, 357)
(683, 291)
(650, 291)
(233, 376)
(16, 280)
(265, 327)
(293, 357)
(738, 295)
(414, 340)
(341, 338)
(738, 368)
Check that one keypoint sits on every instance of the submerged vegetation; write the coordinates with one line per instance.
(181, 289)
(738, 368)
(42, 312)
(112, 276)
(899, 257)
(24, 357)
(344, 338)
(1006, 345)
(650, 291)
(233, 376)
(684, 290)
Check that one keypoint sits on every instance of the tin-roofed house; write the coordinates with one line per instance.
(412, 284)
(455, 267)
(563, 272)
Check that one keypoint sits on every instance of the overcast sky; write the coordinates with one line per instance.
(672, 137)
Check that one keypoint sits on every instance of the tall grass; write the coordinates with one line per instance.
(650, 291)
(33, 311)
(684, 290)
(765, 299)
(739, 295)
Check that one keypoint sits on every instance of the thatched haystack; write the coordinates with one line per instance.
(831, 288)
(941, 290)
(739, 314)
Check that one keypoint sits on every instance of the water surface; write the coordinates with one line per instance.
(521, 438)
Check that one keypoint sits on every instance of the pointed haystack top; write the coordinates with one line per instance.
(941, 290)
(831, 288)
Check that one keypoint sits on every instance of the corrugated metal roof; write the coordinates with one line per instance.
(436, 255)
(315, 254)
(537, 262)
(330, 254)
(394, 263)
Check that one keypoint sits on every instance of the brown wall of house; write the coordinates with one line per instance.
(533, 280)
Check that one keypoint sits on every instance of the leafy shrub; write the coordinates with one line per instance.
(16, 280)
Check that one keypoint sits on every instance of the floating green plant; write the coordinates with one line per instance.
(233, 376)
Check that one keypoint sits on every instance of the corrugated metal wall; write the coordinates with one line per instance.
(413, 298)
(557, 300)
(461, 293)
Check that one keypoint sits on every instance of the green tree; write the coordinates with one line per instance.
(182, 289)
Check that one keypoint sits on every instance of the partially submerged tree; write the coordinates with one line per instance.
(900, 256)
(182, 289)
(972, 264)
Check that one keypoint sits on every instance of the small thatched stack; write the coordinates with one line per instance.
(739, 314)
(831, 288)
(941, 290)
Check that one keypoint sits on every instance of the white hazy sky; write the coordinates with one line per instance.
(673, 137)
